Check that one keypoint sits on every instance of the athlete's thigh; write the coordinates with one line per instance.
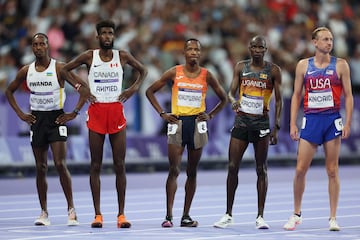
(175, 154)
(332, 152)
(118, 144)
(306, 152)
(237, 148)
(261, 150)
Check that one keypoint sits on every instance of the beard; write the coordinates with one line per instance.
(104, 46)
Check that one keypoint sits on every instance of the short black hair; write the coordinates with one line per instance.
(40, 34)
(105, 23)
(190, 40)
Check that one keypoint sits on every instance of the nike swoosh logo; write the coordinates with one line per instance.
(247, 73)
(311, 72)
(97, 65)
(121, 126)
(337, 133)
(179, 77)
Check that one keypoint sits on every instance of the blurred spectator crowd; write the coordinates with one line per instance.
(154, 31)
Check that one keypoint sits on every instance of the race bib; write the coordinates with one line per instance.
(252, 104)
(171, 128)
(202, 127)
(63, 131)
(189, 99)
(321, 99)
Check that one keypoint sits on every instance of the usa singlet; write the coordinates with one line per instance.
(188, 94)
(255, 89)
(45, 91)
(322, 88)
(105, 78)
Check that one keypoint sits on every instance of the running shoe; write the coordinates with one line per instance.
(292, 222)
(167, 223)
(186, 221)
(122, 222)
(98, 222)
(43, 219)
(225, 221)
(333, 225)
(72, 219)
(261, 224)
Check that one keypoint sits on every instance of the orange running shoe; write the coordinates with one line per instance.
(98, 222)
(122, 222)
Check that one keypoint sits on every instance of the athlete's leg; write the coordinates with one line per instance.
(174, 152)
(237, 148)
(306, 151)
(194, 156)
(59, 155)
(261, 151)
(332, 151)
(96, 143)
(40, 154)
(118, 146)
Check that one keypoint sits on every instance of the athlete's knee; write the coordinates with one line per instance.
(174, 171)
(119, 167)
(191, 173)
(95, 167)
(332, 172)
(261, 170)
(233, 168)
(41, 168)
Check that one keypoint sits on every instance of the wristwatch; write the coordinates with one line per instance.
(77, 111)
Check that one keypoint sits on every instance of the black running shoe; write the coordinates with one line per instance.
(186, 221)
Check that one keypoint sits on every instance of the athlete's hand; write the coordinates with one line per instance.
(235, 106)
(27, 117)
(65, 117)
(171, 118)
(345, 132)
(274, 136)
(203, 116)
(92, 98)
(125, 95)
(294, 133)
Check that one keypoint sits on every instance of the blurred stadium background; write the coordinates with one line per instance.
(154, 31)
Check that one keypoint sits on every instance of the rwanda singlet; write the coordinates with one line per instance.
(323, 88)
(45, 91)
(46, 102)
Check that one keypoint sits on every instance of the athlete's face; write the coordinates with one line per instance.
(40, 46)
(324, 41)
(257, 48)
(106, 38)
(192, 52)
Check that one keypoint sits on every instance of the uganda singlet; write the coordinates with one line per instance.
(323, 88)
(45, 91)
(255, 89)
(188, 94)
(105, 78)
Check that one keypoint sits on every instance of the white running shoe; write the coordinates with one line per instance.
(333, 225)
(72, 218)
(261, 224)
(225, 221)
(292, 222)
(43, 219)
